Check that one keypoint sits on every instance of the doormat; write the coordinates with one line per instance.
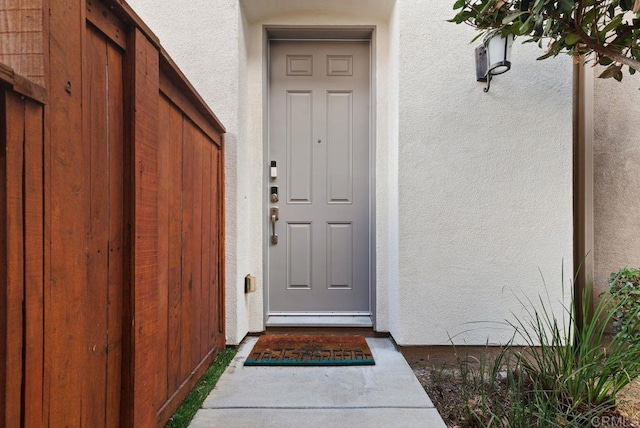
(310, 350)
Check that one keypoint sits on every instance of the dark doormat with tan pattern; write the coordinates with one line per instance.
(310, 350)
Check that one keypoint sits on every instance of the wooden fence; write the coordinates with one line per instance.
(111, 226)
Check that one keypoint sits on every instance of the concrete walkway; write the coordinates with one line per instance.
(385, 395)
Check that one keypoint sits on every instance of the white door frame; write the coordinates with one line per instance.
(320, 33)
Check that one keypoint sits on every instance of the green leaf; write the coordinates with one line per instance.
(538, 5)
(613, 24)
(626, 4)
(539, 25)
(461, 17)
(528, 25)
(566, 5)
(547, 27)
(571, 39)
(512, 17)
(611, 71)
(545, 56)
(588, 17)
(458, 4)
(476, 37)
(604, 60)
(487, 6)
(515, 28)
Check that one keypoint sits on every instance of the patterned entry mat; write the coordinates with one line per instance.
(310, 350)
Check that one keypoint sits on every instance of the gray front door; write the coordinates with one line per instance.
(319, 140)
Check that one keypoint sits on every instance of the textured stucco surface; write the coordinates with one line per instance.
(473, 190)
(616, 177)
(484, 182)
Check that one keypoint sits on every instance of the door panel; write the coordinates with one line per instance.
(340, 255)
(319, 139)
(299, 127)
(339, 147)
(299, 259)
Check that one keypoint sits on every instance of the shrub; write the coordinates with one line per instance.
(624, 288)
(564, 376)
(581, 369)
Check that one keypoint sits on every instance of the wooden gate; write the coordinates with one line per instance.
(111, 223)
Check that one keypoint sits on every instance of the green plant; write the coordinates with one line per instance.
(192, 403)
(624, 288)
(582, 370)
(562, 376)
(610, 29)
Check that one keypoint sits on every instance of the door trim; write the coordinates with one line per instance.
(320, 33)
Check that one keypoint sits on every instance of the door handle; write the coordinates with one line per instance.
(274, 217)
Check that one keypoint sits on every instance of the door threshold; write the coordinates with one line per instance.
(319, 321)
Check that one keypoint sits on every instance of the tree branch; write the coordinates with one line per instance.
(605, 51)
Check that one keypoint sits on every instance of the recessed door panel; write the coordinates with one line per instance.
(299, 154)
(340, 255)
(339, 147)
(319, 141)
(299, 256)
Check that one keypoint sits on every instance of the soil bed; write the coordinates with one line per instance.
(447, 388)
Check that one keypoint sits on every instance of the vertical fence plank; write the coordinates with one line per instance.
(116, 231)
(13, 294)
(3, 255)
(34, 268)
(196, 260)
(164, 167)
(205, 239)
(67, 220)
(145, 230)
(47, 167)
(174, 134)
(46, 384)
(187, 247)
(95, 306)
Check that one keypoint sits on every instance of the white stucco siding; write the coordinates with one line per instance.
(484, 181)
(392, 244)
(473, 190)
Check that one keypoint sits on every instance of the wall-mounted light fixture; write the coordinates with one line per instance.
(493, 57)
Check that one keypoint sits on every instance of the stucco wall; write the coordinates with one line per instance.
(484, 181)
(473, 190)
(616, 177)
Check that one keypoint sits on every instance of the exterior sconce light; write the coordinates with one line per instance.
(493, 57)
